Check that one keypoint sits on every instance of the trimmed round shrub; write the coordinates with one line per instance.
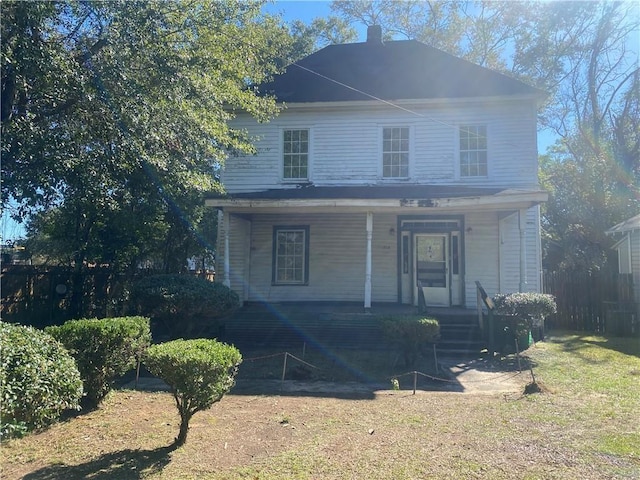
(181, 302)
(104, 350)
(199, 372)
(38, 380)
(527, 306)
(411, 334)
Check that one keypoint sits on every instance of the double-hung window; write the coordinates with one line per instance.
(295, 156)
(290, 255)
(395, 152)
(473, 151)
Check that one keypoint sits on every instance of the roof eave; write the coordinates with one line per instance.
(373, 103)
(630, 225)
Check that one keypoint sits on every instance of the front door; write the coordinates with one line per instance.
(431, 268)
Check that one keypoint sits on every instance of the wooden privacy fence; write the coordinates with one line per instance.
(586, 302)
(40, 296)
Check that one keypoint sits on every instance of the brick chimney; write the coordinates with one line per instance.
(374, 34)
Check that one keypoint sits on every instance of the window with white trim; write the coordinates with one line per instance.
(295, 154)
(290, 255)
(473, 151)
(395, 152)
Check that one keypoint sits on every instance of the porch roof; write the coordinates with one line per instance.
(628, 225)
(394, 196)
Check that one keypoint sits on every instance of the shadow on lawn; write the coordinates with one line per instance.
(574, 343)
(363, 388)
(626, 345)
(120, 465)
(347, 390)
(347, 374)
(351, 390)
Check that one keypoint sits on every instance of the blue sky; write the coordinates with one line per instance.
(300, 10)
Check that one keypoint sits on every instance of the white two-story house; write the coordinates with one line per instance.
(394, 170)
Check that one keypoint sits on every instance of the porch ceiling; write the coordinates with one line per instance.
(382, 198)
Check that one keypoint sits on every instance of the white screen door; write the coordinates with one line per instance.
(432, 275)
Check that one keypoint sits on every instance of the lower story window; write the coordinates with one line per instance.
(291, 255)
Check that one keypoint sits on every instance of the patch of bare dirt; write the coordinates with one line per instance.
(391, 434)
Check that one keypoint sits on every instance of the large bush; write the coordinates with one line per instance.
(199, 372)
(527, 309)
(181, 302)
(411, 334)
(104, 349)
(38, 380)
(517, 315)
(530, 306)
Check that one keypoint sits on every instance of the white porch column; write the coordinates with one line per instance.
(223, 220)
(522, 224)
(367, 280)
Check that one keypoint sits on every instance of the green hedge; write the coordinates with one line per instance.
(517, 315)
(411, 334)
(38, 380)
(199, 372)
(182, 302)
(104, 349)
(528, 306)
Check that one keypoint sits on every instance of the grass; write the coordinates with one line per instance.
(583, 425)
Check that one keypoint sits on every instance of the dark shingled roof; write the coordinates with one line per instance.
(369, 192)
(394, 70)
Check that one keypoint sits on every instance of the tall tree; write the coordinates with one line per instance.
(586, 55)
(115, 116)
(318, 34)
(436, 23)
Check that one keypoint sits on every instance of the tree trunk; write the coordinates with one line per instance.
(184, 429)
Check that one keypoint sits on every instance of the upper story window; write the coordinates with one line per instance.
(473, 151)
(395, 152)
(295, 155)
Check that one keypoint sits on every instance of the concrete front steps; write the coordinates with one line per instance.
(459, 331)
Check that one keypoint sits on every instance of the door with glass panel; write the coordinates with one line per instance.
(431, 268)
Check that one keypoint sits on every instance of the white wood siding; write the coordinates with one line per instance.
(384, 282)
(346, 145)
(337, 245)
(510, 253)
(239, 259)
(255, 172)
(481, 255)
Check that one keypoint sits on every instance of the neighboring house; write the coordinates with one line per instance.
(627, 234)
(394, 167)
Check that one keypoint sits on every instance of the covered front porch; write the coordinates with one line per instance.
(291, 246)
